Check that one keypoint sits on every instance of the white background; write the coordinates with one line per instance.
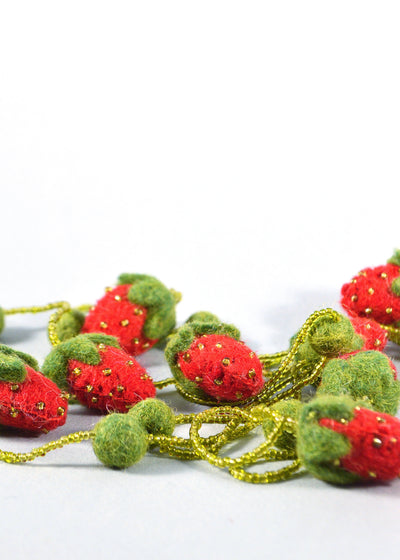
(247, 154)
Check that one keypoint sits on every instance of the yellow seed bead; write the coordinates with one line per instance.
(101, 346)
(383, 275)
(198, 379)
(40, 405)
(77, 371)
(368, 326)
(107, 371)
(200, 346)
(377, 342)
(371, 291)
(108, 289)
(252, 373)
(368, 310)
(371, 474)
(380, 419)
(218, 345)
(14, 387)
(218, 381)
(94, 399)
(117, 298)
(138, 311)
(103, 325)
(377, 442)
(186, 357)
(60, 411)
(239, 395)
(13, 412)
(136, 341)
(129, 363)
(252, 354)
(89, 388)
(389, 310)
(226, 362)
(120, 388)
(124, 323)
(146, 344)
(354, 298)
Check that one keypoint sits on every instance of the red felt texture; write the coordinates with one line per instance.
(375, 442)
(373, 335)
(115, 315)
(36, 404)
(114, 385)
(202, 363)
(369, 294)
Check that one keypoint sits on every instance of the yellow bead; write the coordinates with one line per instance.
(124, 323)
(138, 311)
(388, 310)
(200, 346)
(218, 381)
(77, 371)
(107, 371)
(380, 419)
(368, 326)
(40, 405)
(186, 357)
(14, 387)
(218, 345)
(371, 291)
(371, 474)
(108, 289)
(354, 298)
(252, 354)
(13, 412)
(251, 373)
(226, 362)
(383, 275)
(94, 399)
(129, 363)
(377, 342)
(101, 346)
(89, 388)
(146, 344)
(198, 379)
(117, 298)
(238, 395)
(60, 411)
(376, 442)
(120, 388)
(103, 325)
(136, 341)
(368, 310)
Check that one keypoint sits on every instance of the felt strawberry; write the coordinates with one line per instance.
(99, 373)
(208, 360)
(373, 336)
(341, 442)
(375, 293)
(367, 375)
(139, 312)
(28, 400)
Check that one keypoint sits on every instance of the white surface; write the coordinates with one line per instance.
(247, 154)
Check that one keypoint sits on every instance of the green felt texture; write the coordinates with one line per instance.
(330, 336)
(395, 286)
(395, 258)
(155, 416)
(13, 364)
(157, 299)
(367, 376)
(1, 320)
(182, 340)
(289, 408)
(70, 324)
(203, 317)
(319, 447)
(120, 441)
(82, 348)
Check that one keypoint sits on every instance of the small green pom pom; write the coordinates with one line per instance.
(203, 317)
(155, 416)
(120, 441)
(70, 324)
(290, 408)
(330, 336)
(395, 258)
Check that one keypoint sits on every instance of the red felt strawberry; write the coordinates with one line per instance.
(373, 336)
(375, 443)
(208, 360)
(28, 400)
(139, 312)
(341, 442)
(375, 293)
(99, 373)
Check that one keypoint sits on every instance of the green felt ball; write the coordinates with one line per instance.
(155, 416)
(203, 317)
(289, 408)
(319, 448)
(395, 286)
(70, 324)
(364, 375)
(1, 319)
(120, 441)
(331, 336)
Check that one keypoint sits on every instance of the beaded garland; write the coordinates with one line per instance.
(343, 435)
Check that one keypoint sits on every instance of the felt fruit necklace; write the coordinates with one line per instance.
(344, 434)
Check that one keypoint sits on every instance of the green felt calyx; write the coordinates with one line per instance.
(157, 299)
(1, 320)
(202, 317)
(319, 448)
(70, 324)
(13, 364)
(395, 286)
(365, 375)
(155, 416)
(182, 340)
(395, 258)
(120, 440)
(82, 348)
(288, 408)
